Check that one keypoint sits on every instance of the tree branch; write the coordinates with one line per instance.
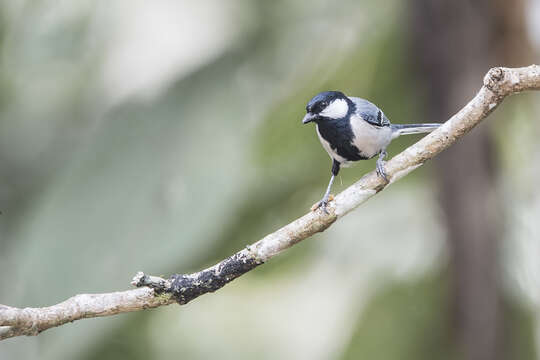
(154, 291)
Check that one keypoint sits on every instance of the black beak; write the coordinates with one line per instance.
(308, 118)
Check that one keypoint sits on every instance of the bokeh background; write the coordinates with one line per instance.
(164, 135)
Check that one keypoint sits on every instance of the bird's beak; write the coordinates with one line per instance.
(308, 118)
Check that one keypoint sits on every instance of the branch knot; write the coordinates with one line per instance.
(493, 79)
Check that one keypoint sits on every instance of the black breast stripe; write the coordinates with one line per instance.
(340, 136)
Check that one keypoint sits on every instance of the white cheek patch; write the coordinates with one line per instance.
(337, 109)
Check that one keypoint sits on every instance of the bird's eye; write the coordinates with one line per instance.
(324, 104)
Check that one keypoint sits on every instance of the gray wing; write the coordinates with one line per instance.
(370, 112)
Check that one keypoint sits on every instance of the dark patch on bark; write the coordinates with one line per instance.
(185, 288)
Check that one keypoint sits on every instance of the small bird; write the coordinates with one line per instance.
(352, 129)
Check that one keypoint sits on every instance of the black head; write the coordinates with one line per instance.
(327, 105)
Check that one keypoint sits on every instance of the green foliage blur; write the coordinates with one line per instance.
(163, 136)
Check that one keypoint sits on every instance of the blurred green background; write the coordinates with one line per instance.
(165, 135)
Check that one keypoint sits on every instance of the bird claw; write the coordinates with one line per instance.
(322, 204)
(380, 170)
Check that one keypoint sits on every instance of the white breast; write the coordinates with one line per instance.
(369, 139)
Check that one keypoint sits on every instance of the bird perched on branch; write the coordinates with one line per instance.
(352, 129)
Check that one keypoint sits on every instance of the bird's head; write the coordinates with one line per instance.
(327, 105)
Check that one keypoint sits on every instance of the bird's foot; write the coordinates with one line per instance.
(322, 204)
(380, 170)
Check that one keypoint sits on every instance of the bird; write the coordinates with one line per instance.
(352, 129)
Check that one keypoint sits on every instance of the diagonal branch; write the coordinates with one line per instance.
(154, 291)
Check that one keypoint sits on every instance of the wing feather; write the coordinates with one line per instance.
(370, 112)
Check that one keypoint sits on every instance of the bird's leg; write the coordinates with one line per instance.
(380, 165)
(327, 197)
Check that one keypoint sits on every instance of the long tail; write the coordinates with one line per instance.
(406, 129)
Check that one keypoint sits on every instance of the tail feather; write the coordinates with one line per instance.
(406, 129)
